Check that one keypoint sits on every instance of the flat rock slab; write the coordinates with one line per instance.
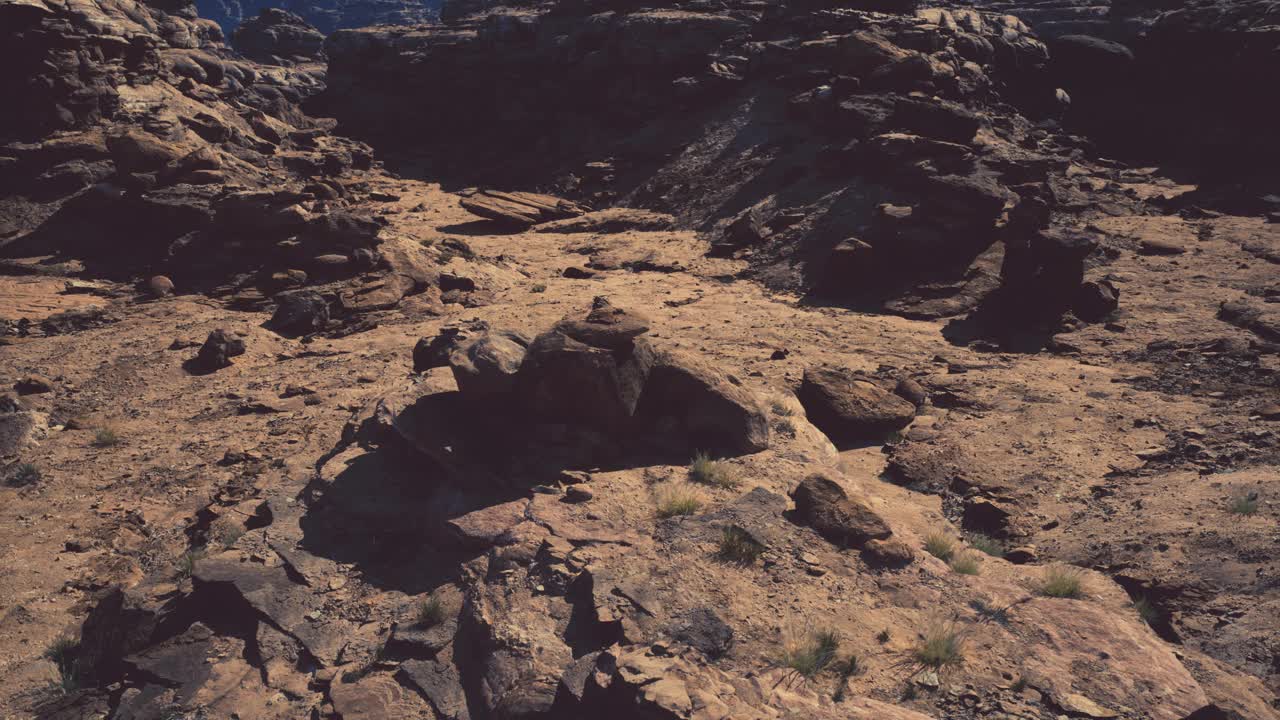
(519, 209)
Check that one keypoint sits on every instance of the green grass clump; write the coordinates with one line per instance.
(966, 563)
(62, 653)
(106, 437)
(712, 472)
(939, 645)
(1243, 504)
(781, 408)
(738, 547)
(187, 563)
(24, 474)
(1062, 581)
(431, 612)
(677, 499)
(986, 544)
(808, 654)
(940, 545)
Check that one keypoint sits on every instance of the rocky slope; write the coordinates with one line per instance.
(328, 16)
(832, 380)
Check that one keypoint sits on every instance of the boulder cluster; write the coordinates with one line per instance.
(147, 147)
(915, 176)
(601, 375)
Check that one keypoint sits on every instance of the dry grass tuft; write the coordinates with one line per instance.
(712, 472)
(675, 499)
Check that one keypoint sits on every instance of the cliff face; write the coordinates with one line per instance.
(727, 118)
(326, 15)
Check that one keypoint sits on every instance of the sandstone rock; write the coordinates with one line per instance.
(33, 385)
(519, 209)
(936, 119)
(299, 313)
(487, 526)
(434, 352)
(440, 683)
(369, 698)
(160, 286)
(823, 505)
(891, 553)
(698, 407)
(703, 629)
(17, 429)
(605, 326)
(217, 351)
(911, 391)
(1096, 300)
(487, 365)
(611, 220)
(565, 380)
(848, 408)
(277, 33)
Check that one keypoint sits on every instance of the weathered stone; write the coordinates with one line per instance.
(697, 405)
(487, 365)
(217, 351)
(823, 505)
(848, 408)
(299, 313)
(605, 326)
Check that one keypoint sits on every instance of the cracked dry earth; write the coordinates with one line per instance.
(262, 516)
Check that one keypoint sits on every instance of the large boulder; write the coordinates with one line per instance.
(823, 505)
(565, 380)
(216, 352)
(687, 398)
(848, 408)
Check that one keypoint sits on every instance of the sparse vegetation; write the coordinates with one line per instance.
(712, 472)
(538, 288)
(1062, 581)
(187, 563)
(966, 563)
(738, 547)
(1019, 685)
(431, 612)
(808, 653)
(847, 668)
(941, 546)
(785, 426)
(1244, 504)
(781, 408)
(62, 653)
(883, 636)
(106, 437)
(677, 499)
(939, 646)
(986, 544)
(24, 474)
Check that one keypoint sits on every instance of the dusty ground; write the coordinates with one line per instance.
(1059, 442)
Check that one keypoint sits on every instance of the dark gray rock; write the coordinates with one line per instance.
(823, 505)
(849, 408)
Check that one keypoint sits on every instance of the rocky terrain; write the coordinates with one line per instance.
(328, 15)
(699, 360)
